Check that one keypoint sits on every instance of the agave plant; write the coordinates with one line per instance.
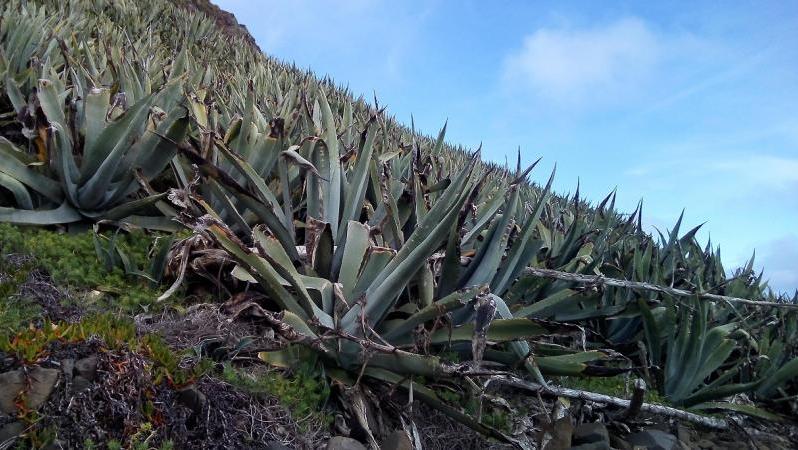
(93, 146)
(393, 267)
(92, 170)
(362, 241)
(771, 338)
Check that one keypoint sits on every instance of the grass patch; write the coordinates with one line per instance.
(30, 345)
(168, 363)
(490, 414)
(614, 386)
(14, 311)
(303, 391)
(71, 259)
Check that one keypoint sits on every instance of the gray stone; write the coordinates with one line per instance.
(10, 431)
(705, 443)
(68, 367)
(593, 446)
(11, 384)
(87, 367)
(588, 433)
(80, 384)
(276, 445)
(192, 398)
(655, 440)
(398, 440)
(344, 443)
(558, 435)
(620, 444)
(42, 383)
(683, 433)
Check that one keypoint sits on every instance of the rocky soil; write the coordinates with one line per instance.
(87, 392)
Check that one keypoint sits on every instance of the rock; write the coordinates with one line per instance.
(705, 443)
(344, 443)
(276, 445)
(398, 440)
(42, 382)
(11, 384)
(10, 431)
(601, 445)
(87, 367)
(340, 426)
(192, 398)
(684, 434)
(558, 435)
(620, 444)
(68, 367)
(588, 433)
(79, 384)
(655, 440)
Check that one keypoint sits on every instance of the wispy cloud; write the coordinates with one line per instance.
(568, 65)
(768, 171)
(743, 63)
(747, 172)
(778, 259)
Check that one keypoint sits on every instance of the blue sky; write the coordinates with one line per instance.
(686, 105)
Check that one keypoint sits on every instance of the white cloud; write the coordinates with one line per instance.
(767, 171)
(778, 259)
(734, 155)
(569, 65)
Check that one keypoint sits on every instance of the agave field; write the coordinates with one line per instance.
(378, 255)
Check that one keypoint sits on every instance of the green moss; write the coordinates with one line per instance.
(304, 391)
(497, 418)
(140, 440)
(72, 261)
(492, 416)
(71, 258)
(15, 311)
(167, 363)
(30, 344)
(615, 386)
(449, 396)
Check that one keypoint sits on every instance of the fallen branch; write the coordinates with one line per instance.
(600, 280)
(638, 395)
(709, 422)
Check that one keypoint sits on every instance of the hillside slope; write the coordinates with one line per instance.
(357, 256)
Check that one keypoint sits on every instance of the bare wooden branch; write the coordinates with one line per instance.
(638, 395)
(709, 422)
(606, 281)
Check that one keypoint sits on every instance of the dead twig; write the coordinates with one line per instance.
(601, 280)
(709, 422)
